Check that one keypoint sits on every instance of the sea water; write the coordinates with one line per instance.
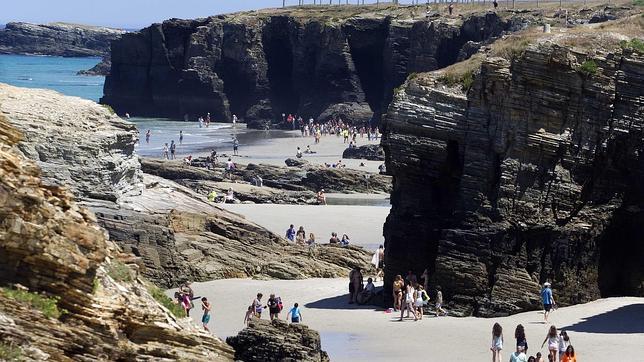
(57, 73)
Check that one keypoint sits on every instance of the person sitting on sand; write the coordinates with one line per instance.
(212, 196)
(308, 150)
(345, 240)
(295, 314)
(397, 290)
(497, 342)
(298, 154)
(334, 238)
(188, 160)
(230, 196)
(355, 284)
(367, 293)
(321, 197)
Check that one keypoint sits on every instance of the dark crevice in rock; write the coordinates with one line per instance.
(238, 84)
(278, 50)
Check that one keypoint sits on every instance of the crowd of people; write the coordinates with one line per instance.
(300, 237)
(274, 305)
(559, 345)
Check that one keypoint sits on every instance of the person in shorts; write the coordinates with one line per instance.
(205, 306)
(547, 299)
(295, 314)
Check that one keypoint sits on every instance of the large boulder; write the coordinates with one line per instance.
(365, 152)
(277, 341)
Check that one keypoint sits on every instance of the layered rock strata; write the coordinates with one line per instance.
(277, 341)
(51, 245)
(323, 62)
(532, 175)
(62, 39)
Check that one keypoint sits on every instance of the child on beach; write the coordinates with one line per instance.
(295, 314)
(205, 306)
(420, 301)
(497, 342)
(553, 342)
(408, 303)
(249, 315)
(518, 356)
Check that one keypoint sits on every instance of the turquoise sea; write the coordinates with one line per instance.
(57, 73)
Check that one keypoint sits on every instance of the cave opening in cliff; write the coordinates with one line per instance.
(278, 51)
(239, 86)
(366, 47)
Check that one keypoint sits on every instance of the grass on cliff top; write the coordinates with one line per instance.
(166, 301)
(10, 352)
(47, 305)
(462, 73)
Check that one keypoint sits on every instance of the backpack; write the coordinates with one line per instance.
(280, 306)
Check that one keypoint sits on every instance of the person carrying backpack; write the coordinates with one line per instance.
(274, 306)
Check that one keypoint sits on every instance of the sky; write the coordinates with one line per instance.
(128, 14)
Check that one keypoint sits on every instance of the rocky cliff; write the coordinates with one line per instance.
(68, 40)
(522, 166)
(319, 62)
(68, 304)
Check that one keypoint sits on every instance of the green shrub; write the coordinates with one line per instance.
(465, 80)
(634, 44)
(589, 67)
(166, 301)
(109, 108)
(119, 271)
(638, 2)
(9, 352)
(47, 305)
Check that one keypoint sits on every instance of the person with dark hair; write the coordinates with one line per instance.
(569, 356)
(532, 359)
(257, 306)
(439, 302)
(547, 299)
(538, 357)
(519, 334)
(497, 342)
(205, 306)
(397, 291)
(553, 342)
(564, 342)
(295, 314)
(518, 355)
(355, 284)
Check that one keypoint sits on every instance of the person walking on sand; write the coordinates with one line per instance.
(548, 301)
(235, 147)
(378, 261)
(290, 233)
(418, 301)
(205, 306)
(519, 334)
(497, 342)
(234, 120)
(553, 342)
(295, 314)
(398, 290)
(165, 152)
(257, 306)
(564, 342)
(355, 284)
(450, 8)
(439, 302)
(408, 303)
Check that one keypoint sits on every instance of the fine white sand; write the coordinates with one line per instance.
(363, 224)
(605, 330)
(329, 150)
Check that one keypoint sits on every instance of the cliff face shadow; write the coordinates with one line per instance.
(341, 302)
(626, 319)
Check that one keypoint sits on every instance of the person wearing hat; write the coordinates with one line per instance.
(547, 299)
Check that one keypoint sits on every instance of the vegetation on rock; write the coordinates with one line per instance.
(47, 305)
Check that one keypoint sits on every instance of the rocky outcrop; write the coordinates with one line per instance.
(100, 69)
(55, 251)
(532, 175)
(68, 40)
(365, 152)
(277, 341)
(77, 143)
(334, 61)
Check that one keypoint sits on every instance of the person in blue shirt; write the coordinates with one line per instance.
(295, 314)
(290, 233)
(547, 300)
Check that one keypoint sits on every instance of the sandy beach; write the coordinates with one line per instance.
(600, 330)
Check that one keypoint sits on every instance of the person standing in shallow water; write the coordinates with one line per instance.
(180, 137)
(147, 136)
(173, 149)
(165, 152)
(235, 147)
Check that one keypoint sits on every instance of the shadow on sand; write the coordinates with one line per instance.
(342, 302)
(626, 319)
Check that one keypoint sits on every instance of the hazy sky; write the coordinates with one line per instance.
(127, 13)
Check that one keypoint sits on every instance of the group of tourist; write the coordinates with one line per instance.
(411, 296)
(299, 237)
(560, 348)
(274, 305)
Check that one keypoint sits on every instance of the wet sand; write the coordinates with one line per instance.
(600, 331)
(363, 224)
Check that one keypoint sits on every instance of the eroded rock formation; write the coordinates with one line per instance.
(532, 175)
(320, 62)
(69, 40)
(51, 245)
(277, 341)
